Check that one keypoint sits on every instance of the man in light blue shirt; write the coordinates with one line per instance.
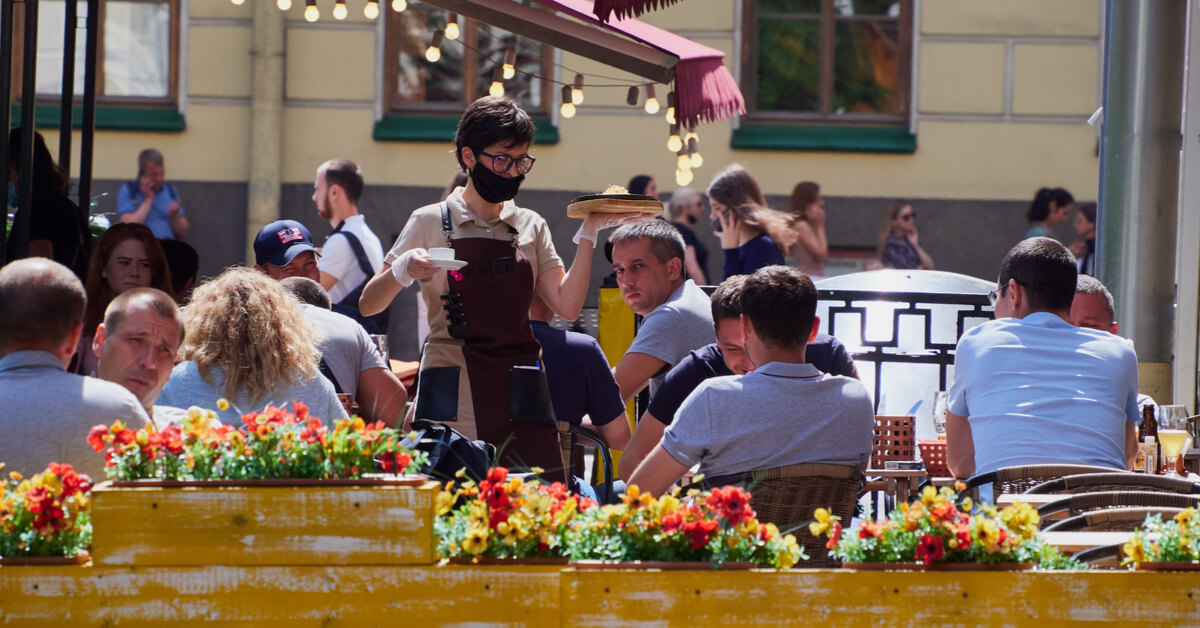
(152, 202)
(1029, 387)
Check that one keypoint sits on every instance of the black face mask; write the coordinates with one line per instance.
(492, 187)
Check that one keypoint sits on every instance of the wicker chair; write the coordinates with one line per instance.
(1102, 557)
(1019, 479)
(787, 496)
(1073, 505)
(1096, 482)
(1110, 520)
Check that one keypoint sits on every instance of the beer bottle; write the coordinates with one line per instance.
(1149, 428)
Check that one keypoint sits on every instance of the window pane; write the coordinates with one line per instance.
(788, 65)
(866, 68)
(867, 7)
(525, 87)
(418, 80)
(790, 6)
(50, 47)
(137, 49)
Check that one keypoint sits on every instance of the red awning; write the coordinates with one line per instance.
(705, 91)
(627, 8)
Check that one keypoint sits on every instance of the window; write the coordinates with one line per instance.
(464, 72)
(138, 49)
(827, 62)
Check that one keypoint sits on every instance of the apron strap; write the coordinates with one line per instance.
(446, 228)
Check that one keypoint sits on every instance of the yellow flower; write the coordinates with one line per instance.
(635, 498)
(15, 476)
(222, 404)
(514, 484)
(445, 501)
(477, 540)
(732, 541)
(667, 504)
(1134, 551)
(989, 534)
(1021, 518)
(358, 424)
(564, 514)
(507, 532)
(791, 554)
(823, 522)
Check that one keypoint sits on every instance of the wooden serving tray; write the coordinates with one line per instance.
(613, 204)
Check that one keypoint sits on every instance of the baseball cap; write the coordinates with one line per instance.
(280, 242)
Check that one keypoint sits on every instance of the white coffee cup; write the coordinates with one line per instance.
(441, 253)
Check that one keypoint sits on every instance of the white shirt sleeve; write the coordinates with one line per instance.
(336, 257)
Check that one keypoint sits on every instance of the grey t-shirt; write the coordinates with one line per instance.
(776, 415)
(187, 388)
(347, 348)
(675, 328)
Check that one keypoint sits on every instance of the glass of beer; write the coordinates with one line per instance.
(1172, 436)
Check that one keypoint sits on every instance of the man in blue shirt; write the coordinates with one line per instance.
(150, 201)
(1029, 387)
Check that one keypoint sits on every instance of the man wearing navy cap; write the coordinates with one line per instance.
(284, 249)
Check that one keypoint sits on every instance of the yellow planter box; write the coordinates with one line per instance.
(315, 524)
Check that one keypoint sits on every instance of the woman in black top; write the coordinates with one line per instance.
(57, 229)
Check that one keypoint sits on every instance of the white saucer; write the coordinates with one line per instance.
(449, 264)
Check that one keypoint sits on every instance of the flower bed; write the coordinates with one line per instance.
(1166, 546)
(45, 517)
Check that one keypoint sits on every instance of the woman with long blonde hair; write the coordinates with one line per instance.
(752, 234)
(807, 208)
(249, 342)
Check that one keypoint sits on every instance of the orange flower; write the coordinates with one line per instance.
(835, 535)
(96, 438)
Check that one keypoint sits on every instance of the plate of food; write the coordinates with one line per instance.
(614, 200)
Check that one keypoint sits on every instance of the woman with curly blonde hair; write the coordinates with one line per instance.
(249, 342)
(752, 234)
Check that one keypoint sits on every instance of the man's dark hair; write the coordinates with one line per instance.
(490, 121)
(41, 301)
(345, 174)
(308, 291)
(183, 262)
(665, 241)
(158, 301)
(148, 156)
(1087, 284)
(727, 299)
(781, 303)
(1045, 269)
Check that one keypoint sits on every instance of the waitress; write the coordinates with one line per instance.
(481, 354)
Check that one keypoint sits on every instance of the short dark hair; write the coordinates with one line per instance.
(781, 303)
(308, 291)
(158, 301)
(183, 263)
(727, 299)
(41, 301)
(148, 156)
(665, 241)
(1045, 269)
(1039, 209)
(1087, 284)
(490, 121)
(345, 174)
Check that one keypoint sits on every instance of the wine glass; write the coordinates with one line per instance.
(1172, 435)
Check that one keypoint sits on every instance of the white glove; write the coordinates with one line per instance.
(595, 223)
(400, 266)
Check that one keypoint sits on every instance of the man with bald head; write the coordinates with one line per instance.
(137, 344)
(48, 411)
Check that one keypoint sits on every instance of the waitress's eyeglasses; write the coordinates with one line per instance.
(503, 163)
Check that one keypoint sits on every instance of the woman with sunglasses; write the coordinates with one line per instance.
(480, 367)
(898, 247)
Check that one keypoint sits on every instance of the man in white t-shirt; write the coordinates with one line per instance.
(352, 253)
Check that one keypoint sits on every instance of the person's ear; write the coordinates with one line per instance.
(816, 326)
(468, 156)
(674, 268)
(98, 340)
(747, 327)
(1114, 328)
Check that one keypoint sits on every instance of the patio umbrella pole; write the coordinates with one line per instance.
(6, 31)
(71, 21)
(88, 129)
(28, 104)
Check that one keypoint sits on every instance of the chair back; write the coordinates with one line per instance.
(1010, 480)
(1110, 520)
(787, 496)
(893, 440)
(1085, 502)
(568, 433)
(1118, 481)
(1102, 557)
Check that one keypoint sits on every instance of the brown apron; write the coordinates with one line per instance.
(495, 289)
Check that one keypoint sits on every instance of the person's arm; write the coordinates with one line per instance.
(1131, 444)
(648, 434)
(634, 371)
(140, 213)
(179, 221)
(565, 291)
(730, 226)
(657, 472)
(812, 238)
(328, 281)
(615, 432)
(381, 396)
(692, 264)
(924, 261)
(960, 446)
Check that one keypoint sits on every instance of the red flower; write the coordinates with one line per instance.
(699, 531)
(173, 439)
(301, 409)
(394, 461)
(869, 529)
(497, 475)
(732, 503)
(126, 436)
(108, 459)
(835, 535)
(930, 549)
(95, 438)
(672, 522)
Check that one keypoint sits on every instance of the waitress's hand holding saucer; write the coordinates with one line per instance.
(421, 266)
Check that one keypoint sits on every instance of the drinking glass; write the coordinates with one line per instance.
(381, 344)
(941, 401)
(1172, 435)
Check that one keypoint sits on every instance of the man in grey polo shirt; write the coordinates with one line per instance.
(48, 411)
(648, 262)
(783, 412)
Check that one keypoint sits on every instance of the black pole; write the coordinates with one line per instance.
(88, 130)
(28, 104)
(6, 32)
(68, 85)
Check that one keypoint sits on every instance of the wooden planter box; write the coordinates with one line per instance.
(265, 522)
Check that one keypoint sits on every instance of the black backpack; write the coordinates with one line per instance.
(450, 450)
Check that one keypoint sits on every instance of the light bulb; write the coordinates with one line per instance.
(399, 5)
(567, 110)
(674, 143)
(339, 10)
(691, 135)
(671, 115)
(697, 160)
(284, 5)
(509, 71)
(684, 162)
(239, 2)
(510, 61)
(452, 30)
(371, 11)
(432, 54)
(651, 105)
(496, 90)
(683, 177)
(311, 13)
(577, 90)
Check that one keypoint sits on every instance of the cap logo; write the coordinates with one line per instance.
(290, 234)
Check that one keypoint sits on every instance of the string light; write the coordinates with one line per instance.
(339, 10)
(671, 108)
(577, 90)
(497, 88)
(673, 142)
(697, 160)
(434, 51)
(399, 5)
(631, 97)
(693, 147)
(510, 60)
(284, 5)
(452, 31)
(239, 2)
(311, 12)
(683, 162)
(651, 101)
(568, 107)
(683, 177)
(371, 11)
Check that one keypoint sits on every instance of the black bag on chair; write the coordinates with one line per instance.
(450, 450)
